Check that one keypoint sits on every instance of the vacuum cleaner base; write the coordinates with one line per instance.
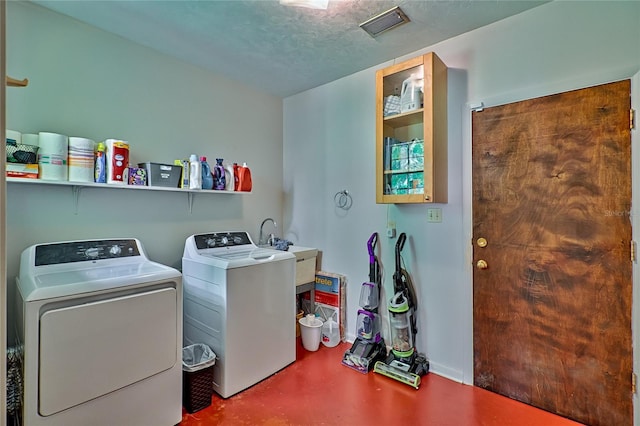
(363, 354)
(404, 370)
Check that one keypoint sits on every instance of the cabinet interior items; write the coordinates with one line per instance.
(411, 131)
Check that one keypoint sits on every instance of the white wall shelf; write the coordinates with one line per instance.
(77, 186)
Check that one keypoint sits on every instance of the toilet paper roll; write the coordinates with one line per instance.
(30, 139)
(13, 136)
(81, 159)
(52, 156)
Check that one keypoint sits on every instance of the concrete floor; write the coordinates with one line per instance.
(318, 390)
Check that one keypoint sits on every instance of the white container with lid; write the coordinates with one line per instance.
(330, 333)
(195, 172)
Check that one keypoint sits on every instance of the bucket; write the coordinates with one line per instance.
(311, 330)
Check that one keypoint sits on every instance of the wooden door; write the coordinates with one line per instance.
(552, 199)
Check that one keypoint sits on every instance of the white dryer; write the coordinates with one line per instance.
(240, 300)
(101, 326)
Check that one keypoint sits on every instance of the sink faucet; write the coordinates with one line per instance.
(261, 240)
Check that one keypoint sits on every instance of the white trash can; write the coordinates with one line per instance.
(311, 331)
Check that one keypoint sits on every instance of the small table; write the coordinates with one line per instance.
(304, 287)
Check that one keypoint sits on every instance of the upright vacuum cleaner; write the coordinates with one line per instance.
(403, 362)
(369, 346)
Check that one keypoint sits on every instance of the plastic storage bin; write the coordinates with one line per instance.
(197, 376)
(167, 175)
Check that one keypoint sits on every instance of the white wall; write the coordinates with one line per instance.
(329, 139)
(86, 82)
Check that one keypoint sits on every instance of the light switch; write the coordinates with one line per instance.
(434, 215)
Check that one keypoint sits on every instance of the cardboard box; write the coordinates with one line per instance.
(18, 170)
(331, 298)
(137, 176)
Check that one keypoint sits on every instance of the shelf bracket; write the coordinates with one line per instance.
(190, 201)
(476, 106)
(75, 189)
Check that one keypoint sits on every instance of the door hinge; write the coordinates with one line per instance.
(634, 249)
(632, 119)
(634, 382)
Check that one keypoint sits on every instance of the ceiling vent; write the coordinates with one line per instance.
(385, 21)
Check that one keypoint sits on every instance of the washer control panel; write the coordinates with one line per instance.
(80, 251)
(222, 239)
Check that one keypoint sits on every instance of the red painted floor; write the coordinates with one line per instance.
(318, 390)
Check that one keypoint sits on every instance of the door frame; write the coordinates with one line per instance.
(635, 235)
(3, 200)
(467, 191)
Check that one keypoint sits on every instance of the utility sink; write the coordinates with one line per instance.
(305, 263)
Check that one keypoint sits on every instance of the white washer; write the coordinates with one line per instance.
(240, 300)
(101, 326)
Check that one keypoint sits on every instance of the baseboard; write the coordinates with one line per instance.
(446, 372)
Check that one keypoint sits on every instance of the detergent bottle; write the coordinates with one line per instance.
(195, 172)
(411, 94)
(244, 179)
(236, 177)
(230, 178)
(207, 176)
(220, 182)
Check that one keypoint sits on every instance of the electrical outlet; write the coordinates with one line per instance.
(434, 215)
(391, 229)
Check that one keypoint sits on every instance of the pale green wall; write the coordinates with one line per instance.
(556, 47)
(86, 82)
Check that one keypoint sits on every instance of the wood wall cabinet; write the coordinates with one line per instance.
(411, 142)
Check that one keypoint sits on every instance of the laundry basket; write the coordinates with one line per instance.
(197, 376)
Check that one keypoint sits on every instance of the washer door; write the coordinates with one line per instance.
(91, 349)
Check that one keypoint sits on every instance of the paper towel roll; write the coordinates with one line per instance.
(117, 161)
(30, 139)
(52, 156)
(13, 136)
(81, 159)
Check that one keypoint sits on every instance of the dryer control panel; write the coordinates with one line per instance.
(80, 251)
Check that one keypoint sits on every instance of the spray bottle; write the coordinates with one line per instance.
(100, 173)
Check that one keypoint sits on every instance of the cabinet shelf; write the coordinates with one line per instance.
(77, 186)
(404, 119)
(394, 172)
(417, 137)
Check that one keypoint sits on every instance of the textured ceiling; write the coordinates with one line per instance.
(283, 50)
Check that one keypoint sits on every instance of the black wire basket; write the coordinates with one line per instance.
(197, 389)
(21, 153)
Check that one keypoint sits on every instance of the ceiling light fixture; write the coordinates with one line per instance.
(385, 21)
(311, 4)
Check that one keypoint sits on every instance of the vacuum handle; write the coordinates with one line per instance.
(371, 244)
(399, 245)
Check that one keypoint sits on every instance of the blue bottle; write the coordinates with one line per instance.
(207, 177)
